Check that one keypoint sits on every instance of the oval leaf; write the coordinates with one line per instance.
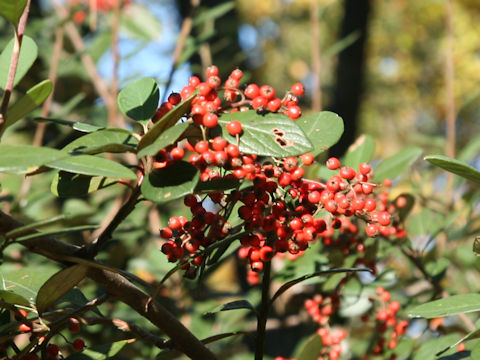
(360, 151)
(267, 135)
(28, 102)
(455, 166)
(456, 304)
(396, 164)
(21, 158)
(93, 166)
(167, 121)
(323, 129)
(84, 127)
(172, 182)
(13, 298)
(168, 137)
(58, 285)
(310, 349)
(106, 140)
(28, 54)
(139, 99)
(66, 184)
(99, 352)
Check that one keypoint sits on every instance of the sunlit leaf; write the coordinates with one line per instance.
(168, 137)
(323, 129)
(396, 164)
(452, 305)
(139, 99)
(12, 9)
(361, 150)
(455, 166)
(267, 135)
(28, 55)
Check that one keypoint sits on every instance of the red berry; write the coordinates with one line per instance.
(24, 327)
(210, 120)
(52, 350)
(347, 173)
(274, 104)
(267, 91)
(201, 146)
(177, 153)
(307, 159)
(212, 70)
(259, 103)
(174, 98)
(234, 127)
(74, 326)
(236, 74)
(294, 112)
(297, 89)
(364, 168)
(251, 91)
(78, 345)
(333, 163)
(382, 315)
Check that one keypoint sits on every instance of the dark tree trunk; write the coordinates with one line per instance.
(350, 72)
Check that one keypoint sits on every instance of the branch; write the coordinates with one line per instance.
(13, 64)
(119, 287)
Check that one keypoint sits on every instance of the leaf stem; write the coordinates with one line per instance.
(19, 30)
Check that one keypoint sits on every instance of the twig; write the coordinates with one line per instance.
(79, 45)
(182, 39)
(19, 30)
(316, 57)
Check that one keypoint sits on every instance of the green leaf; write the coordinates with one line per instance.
(430, 347)
(107, 140)
(323, 129)
(13, 298)
(34, 97)
(26, 281)
(310, 349)
(58, 285)
(12, 10)
(19, 231)
(87, 128)
(168, 137)
(99, 352)
(476, 245)
(409, 201)
(232, 305)
(456, 304)
(361, 150)
(28, 54)
(293, 282)
(214, 12)
(172, 182)
(139, 99)
(167, 121)
(396, 164)
(139, 22)
(455, 166)
(93, 166)
(64, 231)
(267, 135)
(66, 184)
(476, 351)
(475, 334)
(21, 158)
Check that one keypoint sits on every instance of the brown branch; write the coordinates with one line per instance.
(119, 287)
(79, 45)
(316, 57)
(19, 30)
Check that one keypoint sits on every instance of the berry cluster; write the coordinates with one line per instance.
(389, 326)
(320, 309)
(51, 351)
(279, 209)
(79, 15)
